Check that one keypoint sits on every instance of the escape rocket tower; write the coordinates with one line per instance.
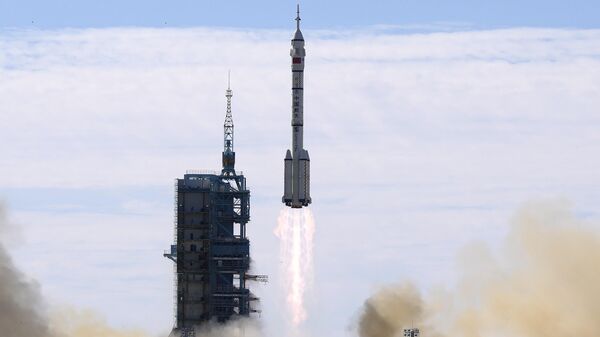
(296, 191)
(228, 154)
(211, 250)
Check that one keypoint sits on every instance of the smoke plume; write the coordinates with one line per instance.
(70, 322)
(21, 307)
(389, 310)
(234, 328)
(23, 312)
(545, 282)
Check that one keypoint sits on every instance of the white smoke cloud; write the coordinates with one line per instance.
(235, 328)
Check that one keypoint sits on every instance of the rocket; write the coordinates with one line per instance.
(296, 191)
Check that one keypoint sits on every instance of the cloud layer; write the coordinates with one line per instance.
(153, 97)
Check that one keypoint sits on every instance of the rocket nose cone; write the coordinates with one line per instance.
(288, 154)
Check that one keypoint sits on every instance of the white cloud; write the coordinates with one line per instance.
(429, 139)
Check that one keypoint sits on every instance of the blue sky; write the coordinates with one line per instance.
(276, 13)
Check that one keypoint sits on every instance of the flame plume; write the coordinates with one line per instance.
(296, 231)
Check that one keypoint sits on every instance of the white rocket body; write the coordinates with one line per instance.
(297, 162)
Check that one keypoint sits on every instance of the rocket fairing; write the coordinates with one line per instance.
(296, 191)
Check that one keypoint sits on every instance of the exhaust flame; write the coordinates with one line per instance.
(296, 230)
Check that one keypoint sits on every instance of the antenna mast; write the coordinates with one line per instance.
(298, 16)
(228, 153)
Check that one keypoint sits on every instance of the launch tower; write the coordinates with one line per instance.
(211, 250)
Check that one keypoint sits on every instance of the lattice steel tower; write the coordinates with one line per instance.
(228, 153)
(211, 250)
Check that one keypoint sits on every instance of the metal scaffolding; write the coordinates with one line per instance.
(211, 251)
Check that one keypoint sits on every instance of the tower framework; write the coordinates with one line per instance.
(211, 250)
